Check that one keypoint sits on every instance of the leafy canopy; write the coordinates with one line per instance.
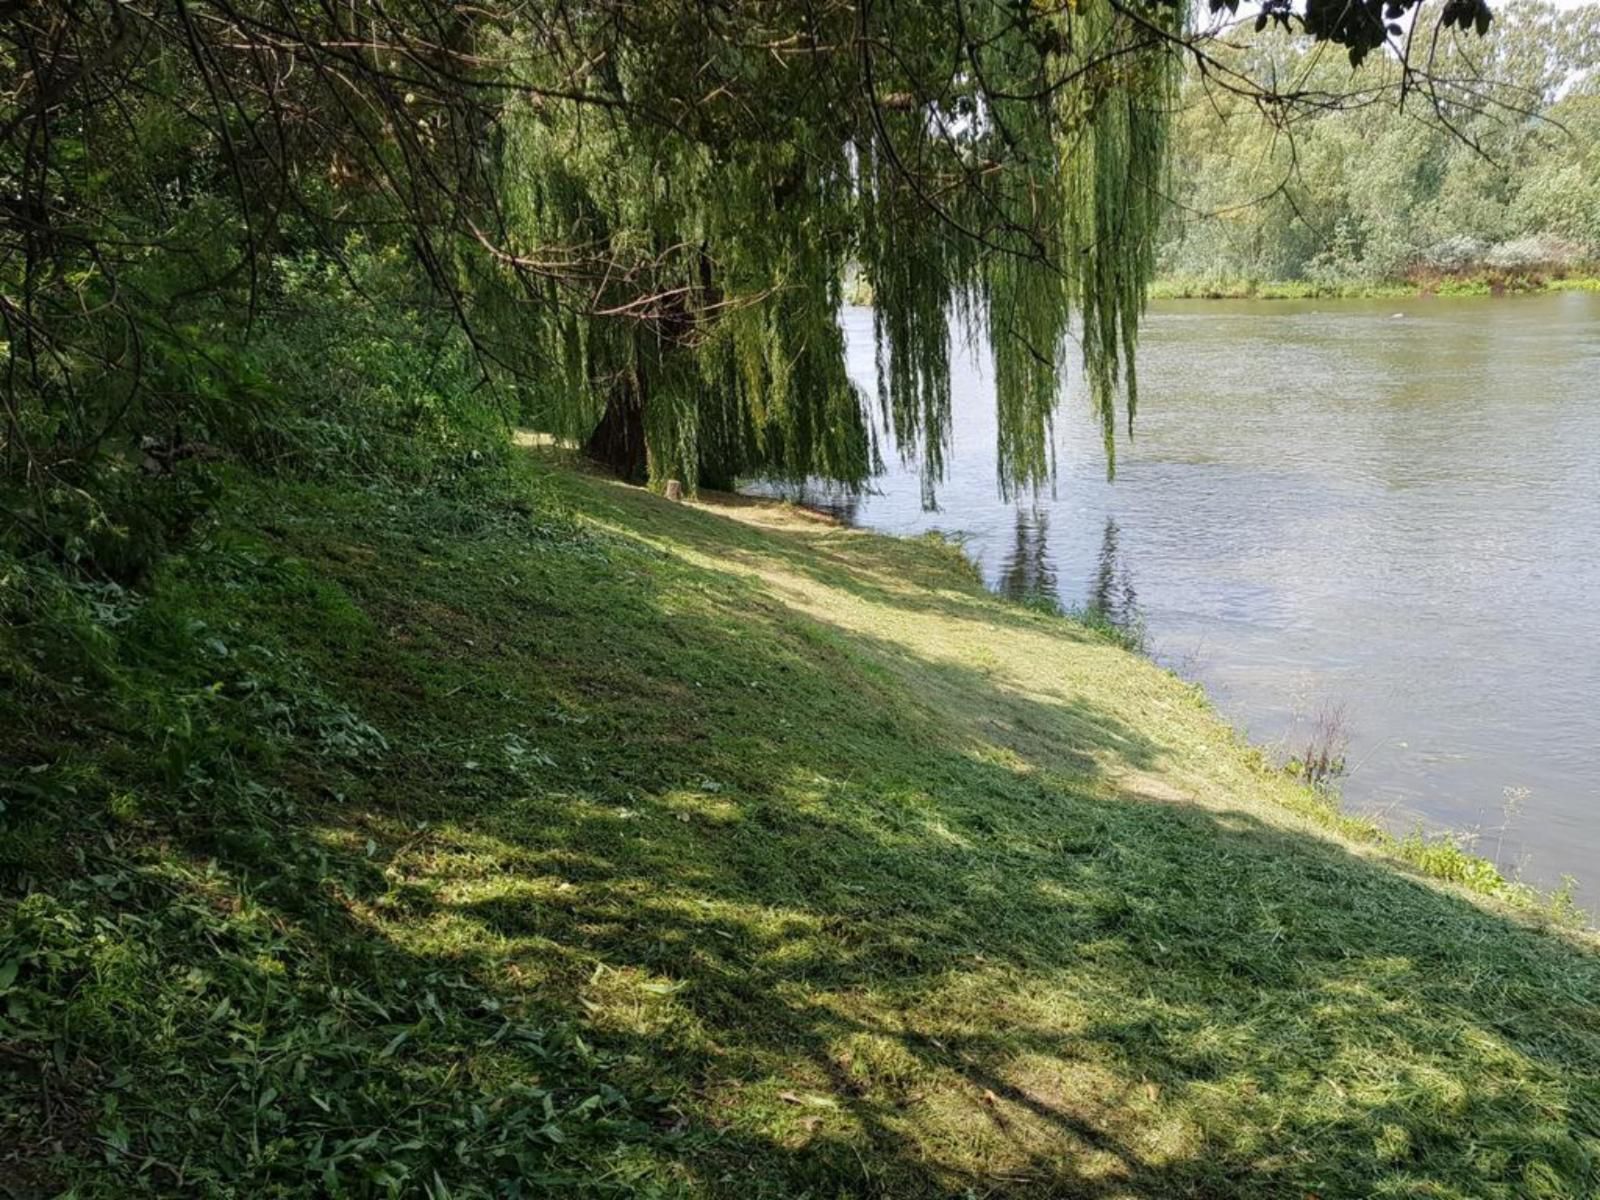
(630, 217)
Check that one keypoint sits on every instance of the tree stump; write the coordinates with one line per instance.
(674, 490)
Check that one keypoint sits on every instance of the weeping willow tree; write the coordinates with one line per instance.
(997, 162)
(636, 212)
(992, 165)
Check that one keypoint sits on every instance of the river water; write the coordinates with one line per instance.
(1377, 515)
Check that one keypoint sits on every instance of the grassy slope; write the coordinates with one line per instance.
(573, 837)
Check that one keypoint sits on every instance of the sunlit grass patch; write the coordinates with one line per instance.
(714, 850)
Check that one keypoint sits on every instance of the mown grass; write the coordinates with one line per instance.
(553, 839)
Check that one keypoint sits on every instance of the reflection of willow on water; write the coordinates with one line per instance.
(1112, 593)
(1027, 570)
(841, 503)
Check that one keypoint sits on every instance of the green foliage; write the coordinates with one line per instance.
(399, 840)
(305, 237)
(742, 222)
(376, 380)
(281, 249)
(357, 374)
(1498, 184)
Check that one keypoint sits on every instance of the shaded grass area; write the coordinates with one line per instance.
(556, 840)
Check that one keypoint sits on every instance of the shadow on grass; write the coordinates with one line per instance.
(943, 952)
(858, 946)
(1088, 1025)
(912, 575)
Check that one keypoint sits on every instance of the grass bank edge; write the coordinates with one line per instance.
(1440, 855)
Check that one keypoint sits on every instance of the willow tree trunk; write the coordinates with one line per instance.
(618, 441)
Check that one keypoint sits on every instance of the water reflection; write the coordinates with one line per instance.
(1028, 569)
(1111, 593)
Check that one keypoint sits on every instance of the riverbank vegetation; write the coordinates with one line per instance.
(1480, 284)
(386, 813)
(516, 829)
(1378, 199)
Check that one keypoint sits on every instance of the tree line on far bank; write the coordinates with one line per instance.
(1499, 183)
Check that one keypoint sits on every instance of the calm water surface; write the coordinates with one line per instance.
(1328, 506)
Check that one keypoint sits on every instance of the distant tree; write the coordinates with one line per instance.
(1495, 146)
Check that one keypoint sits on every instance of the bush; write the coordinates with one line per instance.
(1454, 254)
(1541, 252)
(352, 371)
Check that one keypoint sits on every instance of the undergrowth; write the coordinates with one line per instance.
(190, 1004)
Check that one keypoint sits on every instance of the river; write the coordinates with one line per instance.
(1378, 515)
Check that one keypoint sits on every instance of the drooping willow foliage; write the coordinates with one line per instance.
(994, 161)
(632, 217)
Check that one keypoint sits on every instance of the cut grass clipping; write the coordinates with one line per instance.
(558, 840)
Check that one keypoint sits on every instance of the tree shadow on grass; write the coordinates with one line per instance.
(857, 945)
(1099, 1028)
(1093, 1030)
(901, 955)
(913, 575)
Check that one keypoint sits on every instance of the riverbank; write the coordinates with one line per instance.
(392, 841)
(1486, 283)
